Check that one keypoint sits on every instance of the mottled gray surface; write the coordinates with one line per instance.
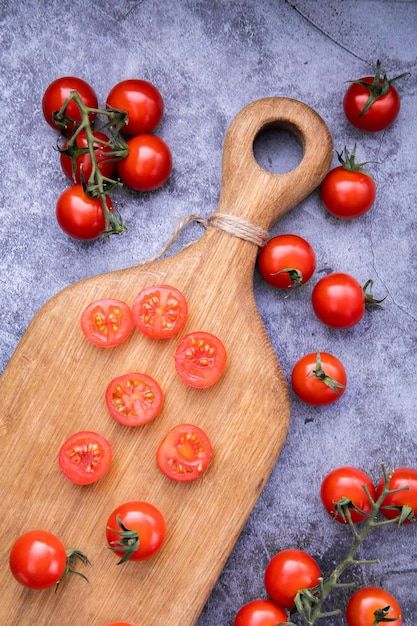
(209, 59)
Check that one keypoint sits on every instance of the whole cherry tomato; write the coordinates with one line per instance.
(348, 191)
(370, 605)
(344, 497)
(402, 504)
(184, 453)
(85, 457)
(136, 531)
(200, 359)
(107, 322)
(148, 164)
(287, 573)
(319, 378)
(80, 216)
(287, 261)
(141, 100)
(372, 103)
(260, 613)
(160, 311)
(56, 94)
(76, 160)
(134, 399)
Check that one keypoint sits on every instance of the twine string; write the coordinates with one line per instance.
(231, 224)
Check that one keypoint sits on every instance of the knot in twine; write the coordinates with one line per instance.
(231, 224)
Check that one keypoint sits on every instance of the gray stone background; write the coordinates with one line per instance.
(209, 59)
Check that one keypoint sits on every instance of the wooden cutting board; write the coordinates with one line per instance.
(54, 386)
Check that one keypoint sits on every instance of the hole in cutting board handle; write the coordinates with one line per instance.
(277, 149)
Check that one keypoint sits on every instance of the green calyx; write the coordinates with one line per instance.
(348, 161)
(381, 616)
(370, 301)
(378, 87)
(128, 543)
(320, 374)
(72, 557)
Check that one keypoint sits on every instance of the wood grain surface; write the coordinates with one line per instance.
(54, 386)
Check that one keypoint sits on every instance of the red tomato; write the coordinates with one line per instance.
(402, 504)
(372, 103)
(371, 604)
(286, 261)
(85, 457)
(38, 559)
(136, 531)
(82, 168)
(260, 613)
(343, 495)
(134, 399)
(160, 311)
(348, 191)
(142, 102)
(80, 216)
(185, 453)
(287, 573)
(338, 300)
(319, 378)
(148, 164)
(200, 359)
(107, 322)
(56, 94)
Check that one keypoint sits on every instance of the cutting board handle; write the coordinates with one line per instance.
(255, 194)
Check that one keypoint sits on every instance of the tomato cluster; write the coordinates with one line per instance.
(122, 151)
(293, 579)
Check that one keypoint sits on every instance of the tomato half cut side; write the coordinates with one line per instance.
(160, 311)
(85, 457)
(185, 453)
(107, 322)
(200, 359)
(134, 399)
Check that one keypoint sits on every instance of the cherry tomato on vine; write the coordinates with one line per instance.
(141, 100)
(348, 191)
(160, 311)
(319, 378)
(148, 164)
(80, 216)
(339, 301)
(58, 91)
(136, 531)
(85, 457)
(39, 560)
(79, 168)
(372, 103)
(200, 359)
(402, 504)
(343, 495)
(107, 322)
(260, 613)
(134, 399)
(185, 453)
(287, 261)
(287, 573)
(370, 605)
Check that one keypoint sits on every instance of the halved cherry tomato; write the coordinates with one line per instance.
(160, 311)
(319, 378)
(343, 495)
(76, 161)
(287, 261)
(185, 453)
(136, 531)
(142, 102)
(200, 359)
(148, 164)
(287, 573)
(134, 399)
(401, 504)
(260, 613)
(85, 457)
(58, 91)
(370, 605)
(107, 322)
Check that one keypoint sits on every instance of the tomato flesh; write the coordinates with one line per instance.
(347, 484)
(200, 359)
(260, 613)
(85, 457)
(107, 322)
(38, 559)
(141, 100)
(287, 573)
(160, 311)
(363, 604)
(134, 399)
(185, 453)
